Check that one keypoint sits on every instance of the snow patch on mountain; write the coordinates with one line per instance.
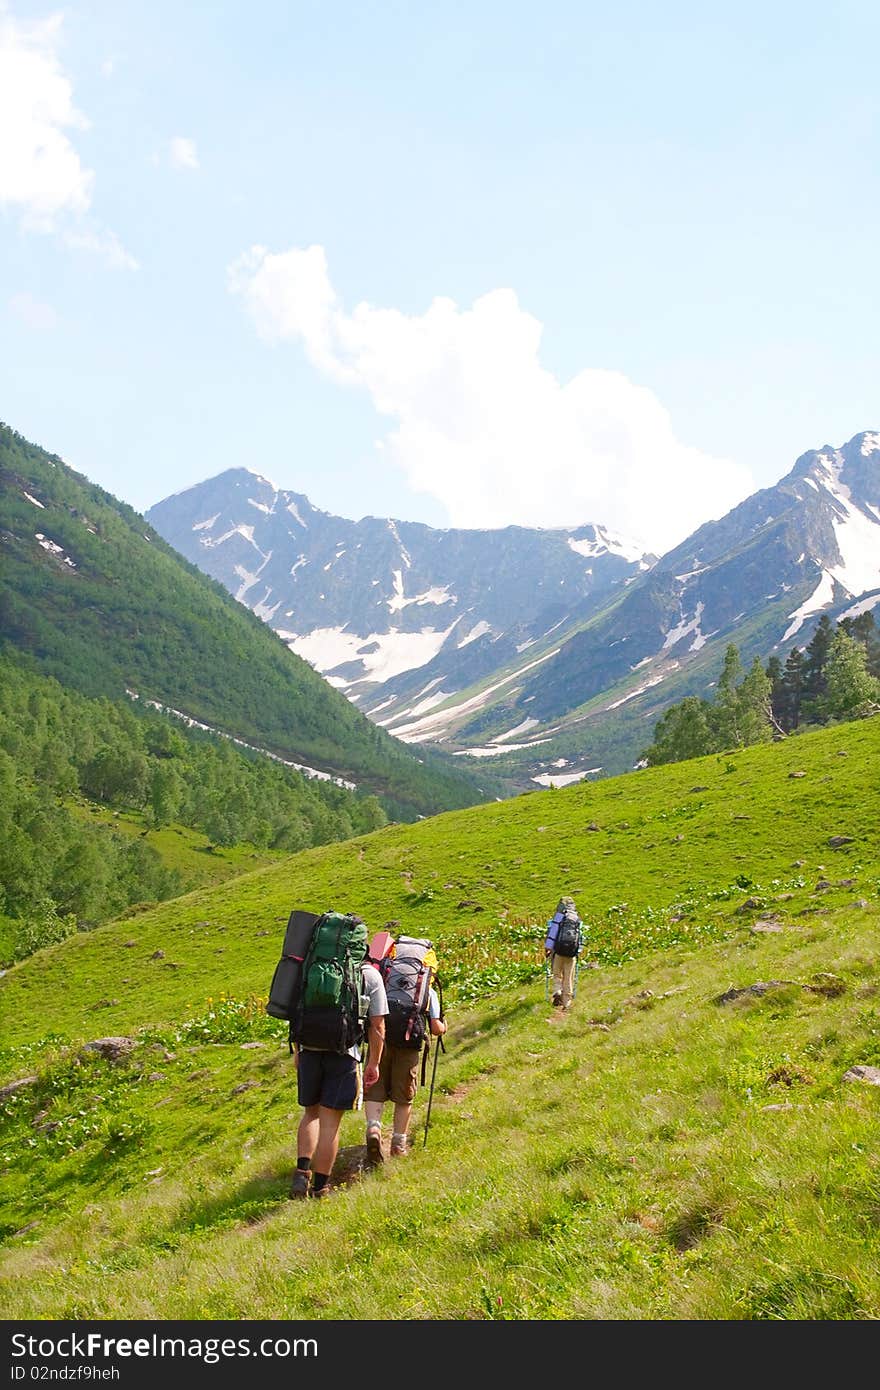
(520, 729)
(207, 523)
(262, 506)
(684, 628)
(36, 503)
(858, 541)
(435, 595)
(404, 553)
(381, 654)
(640, 690)
(478, 631)
(294, 512)
(820, 598)
(495, 749)
(262, 609)
(432, 725)
(54, 549)
(247, 532)
(564, 779)
(864, 605)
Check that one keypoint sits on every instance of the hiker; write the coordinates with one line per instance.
(330, 1083)
(562, 945)
(399, 1068)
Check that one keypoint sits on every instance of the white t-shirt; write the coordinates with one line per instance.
(378, 999)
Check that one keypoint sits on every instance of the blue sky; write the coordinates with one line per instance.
(467, 264)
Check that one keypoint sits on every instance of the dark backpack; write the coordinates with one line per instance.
(408, 973)
(284, 988)
(568, 935)
(329, 1006)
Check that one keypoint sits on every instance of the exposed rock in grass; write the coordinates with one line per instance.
(158, 955)
(113, 1049)
(765, 924)
(17, 1085)
(837, 841)
(758, 988)
(871, 1075)
(245, 1086)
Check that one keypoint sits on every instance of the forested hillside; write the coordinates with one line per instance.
(61, 752)
(90, 594)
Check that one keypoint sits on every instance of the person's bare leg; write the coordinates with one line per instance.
(327, 1147)
(402, 1117)
(307, 1133)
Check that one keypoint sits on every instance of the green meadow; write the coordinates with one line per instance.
(696, 1139)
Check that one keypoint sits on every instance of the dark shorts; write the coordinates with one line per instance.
(398, 1076)
(328, 1079)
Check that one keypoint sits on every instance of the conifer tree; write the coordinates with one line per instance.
(792, 690)
(816, 660)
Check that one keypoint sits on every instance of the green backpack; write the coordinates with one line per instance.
(330, 1010)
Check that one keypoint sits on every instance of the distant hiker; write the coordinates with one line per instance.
(327, 1039)
(562, 946)
(415, 1015)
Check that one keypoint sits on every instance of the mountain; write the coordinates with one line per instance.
(92, 595)
(549, 651)
(380, 605)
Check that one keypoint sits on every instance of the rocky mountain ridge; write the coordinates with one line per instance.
(547, 650)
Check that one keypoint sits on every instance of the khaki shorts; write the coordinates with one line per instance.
(398, 1076)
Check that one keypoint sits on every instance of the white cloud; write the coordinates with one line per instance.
(32, 312)
(182, 153)
(480, 424)
(103, 242)
(41, 174)
(40, 171)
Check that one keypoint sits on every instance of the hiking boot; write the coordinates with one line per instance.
(321, 1192)
(299, 1186)
(374, 1147)
(557, 1000)
(399, 1147)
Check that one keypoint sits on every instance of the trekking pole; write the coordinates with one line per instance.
(574, 988)
(437, 1044)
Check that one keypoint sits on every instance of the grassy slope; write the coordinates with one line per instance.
(621, 1162)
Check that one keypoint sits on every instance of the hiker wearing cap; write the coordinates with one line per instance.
(562, 945)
